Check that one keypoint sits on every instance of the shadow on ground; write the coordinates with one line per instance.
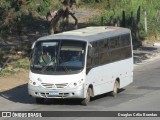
(18, 94)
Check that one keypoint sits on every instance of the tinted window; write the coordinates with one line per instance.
(125, 40)
(95, 59)
(114, 43)
(120, 47)
(104, 58)
(110, 50)
(103, 46)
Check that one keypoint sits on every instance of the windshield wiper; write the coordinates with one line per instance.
(65, 68)
(46, 66)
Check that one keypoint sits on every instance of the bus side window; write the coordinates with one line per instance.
(125, 40)
(104, 57)
(89, 57)
(95, 54)
(89, 60)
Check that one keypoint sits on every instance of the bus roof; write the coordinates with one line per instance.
(88, 34)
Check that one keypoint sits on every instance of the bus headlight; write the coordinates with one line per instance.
(75, 84)
(33, 83)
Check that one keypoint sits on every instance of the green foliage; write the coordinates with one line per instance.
(88, 1)
(15, 67)
(14, 16)
(7, 72)
(113, 9)
(44, 6)
(23, 63)
(91, 1)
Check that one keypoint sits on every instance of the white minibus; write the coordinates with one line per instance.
(81, 63)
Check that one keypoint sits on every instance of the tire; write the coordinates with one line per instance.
(40, 100)
(88, 97)
(115, 89)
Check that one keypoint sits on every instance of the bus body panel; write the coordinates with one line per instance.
(103, 77)
(61, 84)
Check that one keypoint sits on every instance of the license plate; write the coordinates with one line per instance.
(53, 93)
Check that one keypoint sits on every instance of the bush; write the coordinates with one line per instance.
(43, 8)
(113, 10)
(7, 72)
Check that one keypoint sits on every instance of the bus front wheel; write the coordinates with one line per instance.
(88, 97)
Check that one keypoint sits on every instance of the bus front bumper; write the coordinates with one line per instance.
(40, 92)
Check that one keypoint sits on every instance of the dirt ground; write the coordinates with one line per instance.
(12, 81)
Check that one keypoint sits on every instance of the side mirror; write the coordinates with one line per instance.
(33, 45)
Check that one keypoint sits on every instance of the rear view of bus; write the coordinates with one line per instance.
(81, 64)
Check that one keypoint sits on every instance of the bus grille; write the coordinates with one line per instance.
(54, 86)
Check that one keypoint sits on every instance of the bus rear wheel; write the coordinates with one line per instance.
(115, 89)
(88, 97)
(40, 100)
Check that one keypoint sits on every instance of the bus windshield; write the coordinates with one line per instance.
(58, 56)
